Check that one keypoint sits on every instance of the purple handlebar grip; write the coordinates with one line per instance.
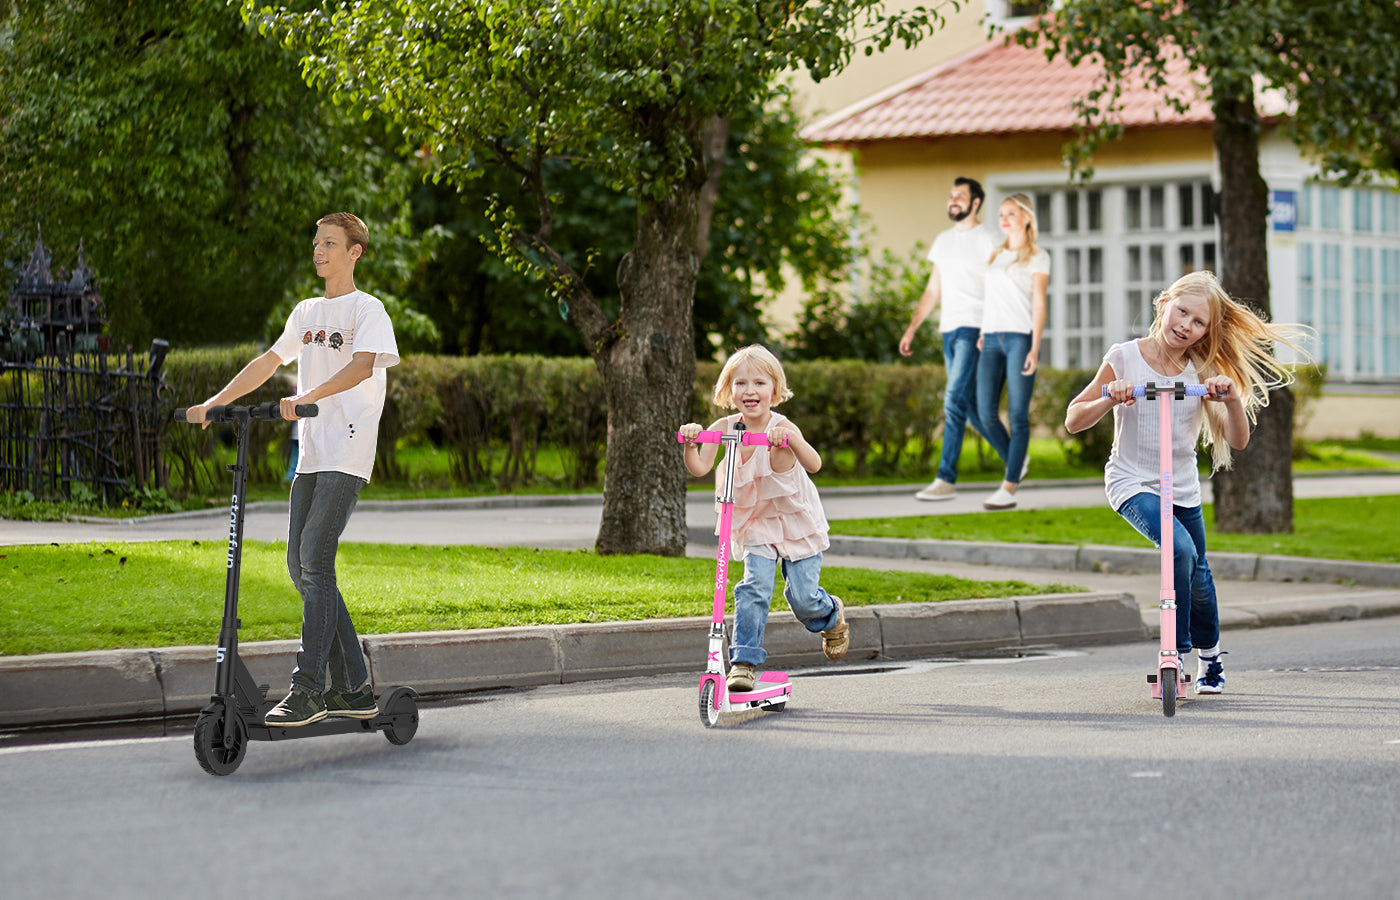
(1192, 390)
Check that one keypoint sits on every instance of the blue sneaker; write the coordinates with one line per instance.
(1210, 674)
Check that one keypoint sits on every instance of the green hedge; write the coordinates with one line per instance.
(494, 413)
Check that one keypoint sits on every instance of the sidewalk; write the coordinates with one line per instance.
(171, 683)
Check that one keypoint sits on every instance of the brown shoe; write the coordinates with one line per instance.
(837, 638)
(740, 677)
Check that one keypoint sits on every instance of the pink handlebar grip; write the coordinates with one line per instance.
(749, 438)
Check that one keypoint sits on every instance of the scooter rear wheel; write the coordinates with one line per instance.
(1168, 678)
(209, 749)
(405, 710)
(709, 711)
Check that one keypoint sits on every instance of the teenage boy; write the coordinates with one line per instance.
(959, 256)
(342, 343)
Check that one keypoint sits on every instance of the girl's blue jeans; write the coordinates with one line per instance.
(1197, 615)
(1003, 355)
(811, 603)
(959, 397)
(321, 505)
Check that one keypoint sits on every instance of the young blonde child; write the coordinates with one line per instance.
(1199, 335)
(777, 516)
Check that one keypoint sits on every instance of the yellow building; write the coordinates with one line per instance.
(1003, 114)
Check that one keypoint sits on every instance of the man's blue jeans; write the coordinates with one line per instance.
(805, 596)
(1197, 615)
(321, 505)
(1003, 355)
(959, 397)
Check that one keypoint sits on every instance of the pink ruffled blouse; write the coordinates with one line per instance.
(778, 510)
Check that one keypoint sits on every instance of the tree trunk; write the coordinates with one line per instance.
(1256, 495)
(649, 376)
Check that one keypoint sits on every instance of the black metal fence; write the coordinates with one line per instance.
(82, 417)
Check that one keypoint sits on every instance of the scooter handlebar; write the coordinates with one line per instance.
(1189, 390)
(748, 438)
(266, 412)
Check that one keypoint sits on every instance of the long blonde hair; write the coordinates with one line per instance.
(1238, 343)
(1029, 249)
(760, 358)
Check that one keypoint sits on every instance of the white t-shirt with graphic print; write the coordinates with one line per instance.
(323, 334)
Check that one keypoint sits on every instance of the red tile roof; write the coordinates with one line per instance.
(1003, 89)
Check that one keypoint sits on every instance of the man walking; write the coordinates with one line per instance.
(959, 256)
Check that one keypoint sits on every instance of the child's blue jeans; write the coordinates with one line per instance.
(1197, 615)
(321, 505)
(753, 595)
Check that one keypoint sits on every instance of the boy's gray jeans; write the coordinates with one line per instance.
(321, 505)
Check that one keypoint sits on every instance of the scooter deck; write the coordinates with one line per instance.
(769, 686)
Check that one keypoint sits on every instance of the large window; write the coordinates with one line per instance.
(1113, 249)
(1349, 277)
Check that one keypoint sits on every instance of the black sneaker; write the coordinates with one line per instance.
(354, 704)
(299, 708)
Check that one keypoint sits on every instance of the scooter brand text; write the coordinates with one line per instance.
(232, 531)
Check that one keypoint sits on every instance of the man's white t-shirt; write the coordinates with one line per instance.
(1008, 301)
(1135, 463)
(961, 258)
(323, 334)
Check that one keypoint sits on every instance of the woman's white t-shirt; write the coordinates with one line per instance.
(1007, 301)
(323, 334)
(1134, 464)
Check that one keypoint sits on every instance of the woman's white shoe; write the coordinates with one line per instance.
(1002, 499)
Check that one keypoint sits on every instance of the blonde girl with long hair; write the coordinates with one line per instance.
(1013, 319)
(1199, 335)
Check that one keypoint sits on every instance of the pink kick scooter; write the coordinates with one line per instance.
(1169, 681)
(771, 689)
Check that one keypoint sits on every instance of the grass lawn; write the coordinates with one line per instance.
(108, 595)
(1352, 528)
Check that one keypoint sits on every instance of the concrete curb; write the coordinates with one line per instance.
(172, 683)
(1093, 558)
(1294, 612)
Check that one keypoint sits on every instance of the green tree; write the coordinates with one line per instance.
(833, 326)
(642, 92)
(776, 205)
(185, 152)
(1336, 65)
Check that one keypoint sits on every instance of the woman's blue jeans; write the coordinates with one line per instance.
(1003, 355)
(1197, 615)
(321, 505)
(960, 355)
(805, 596)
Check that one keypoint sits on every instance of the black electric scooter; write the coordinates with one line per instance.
(235, 713)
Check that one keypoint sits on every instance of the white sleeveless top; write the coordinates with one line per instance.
(1134, 465)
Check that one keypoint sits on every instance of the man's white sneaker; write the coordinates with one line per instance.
(938, 490)
(1002, 499)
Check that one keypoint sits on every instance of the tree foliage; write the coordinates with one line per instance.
(1332, 63)
(777, 219)
(642, 93)
(185, 152)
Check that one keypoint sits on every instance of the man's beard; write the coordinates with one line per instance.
(958, 217)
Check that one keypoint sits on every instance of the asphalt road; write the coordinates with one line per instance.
(1046, 777)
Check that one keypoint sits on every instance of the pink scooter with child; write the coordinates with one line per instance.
(1169, 680)
(771, 689)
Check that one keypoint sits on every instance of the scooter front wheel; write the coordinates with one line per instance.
(709, 710)
(209, 745)
(1168, 678)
